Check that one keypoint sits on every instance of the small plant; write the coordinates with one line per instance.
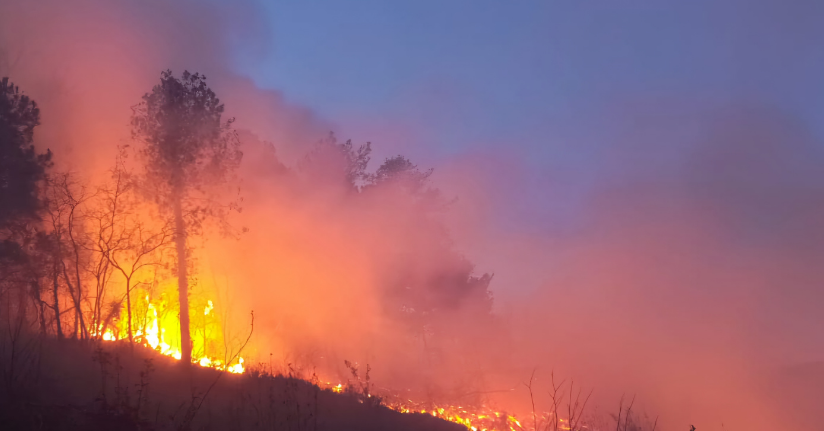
(143, 386)
(122, 402)
(197, 399)
(103, 358)
(632, 421)
(291, 399)
(362, 389)
(315, 381)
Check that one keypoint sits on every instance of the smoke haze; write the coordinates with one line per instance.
(671, 248)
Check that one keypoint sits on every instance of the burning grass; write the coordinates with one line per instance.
(360, 389)
(108, 383)
(156, 326)
(83, 385)
(128, 375)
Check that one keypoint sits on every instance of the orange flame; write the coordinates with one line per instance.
(156, 327)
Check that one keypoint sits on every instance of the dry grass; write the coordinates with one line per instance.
(82, 385)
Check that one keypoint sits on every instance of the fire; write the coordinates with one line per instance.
(479, 418)
(476, 419)
(156, 328)
(155, 325)
(209, 307)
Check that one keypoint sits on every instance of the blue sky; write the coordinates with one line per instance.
(559, 84)
(503, 70)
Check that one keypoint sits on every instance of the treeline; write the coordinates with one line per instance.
(74, 253)
(80, 259)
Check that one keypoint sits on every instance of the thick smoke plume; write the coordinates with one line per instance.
(684, 270)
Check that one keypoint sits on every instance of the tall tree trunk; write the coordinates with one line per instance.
(79, 325)
(182, 283)
(38, 302)
(129, 307)
(78, 316)
(84, 332)
(57, 303)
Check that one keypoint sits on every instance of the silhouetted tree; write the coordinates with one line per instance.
(52, 245)
(427, 291)
(21, 167)
(21, 171)
(129, 243)
(339, 163)
(66, 199)
(186, 148)
(400, 173)
(421, 296)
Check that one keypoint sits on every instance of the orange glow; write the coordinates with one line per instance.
(479, 418)
(155, 325)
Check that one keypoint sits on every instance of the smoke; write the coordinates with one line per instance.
(678, 262)
(688, 276)
(87, 62)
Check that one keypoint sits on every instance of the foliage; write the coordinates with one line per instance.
(21, 167)
(338, 164)
(187, 148)
(187, 145)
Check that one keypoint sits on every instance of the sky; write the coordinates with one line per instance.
(586, 118)
(545, 80)
(496, 70)
(556, 91)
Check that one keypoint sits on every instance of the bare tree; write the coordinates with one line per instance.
(106, 228)
(22, 268)
(66, 199)
(76, 195)
(55, 209)
(133, 244)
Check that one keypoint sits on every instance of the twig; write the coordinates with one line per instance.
(193, 411)
(555, 400)
(532, 400)
(629, 409)
(581, 412)
(620, 411)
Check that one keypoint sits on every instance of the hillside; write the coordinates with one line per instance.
(71, 385)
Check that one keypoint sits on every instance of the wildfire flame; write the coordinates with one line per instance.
(155, 324)
(476, 418)
(157, 327)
